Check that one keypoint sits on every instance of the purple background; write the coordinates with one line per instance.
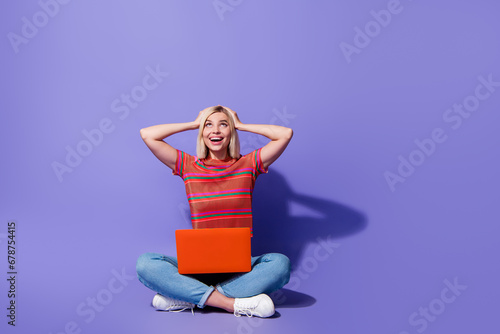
(388, 251)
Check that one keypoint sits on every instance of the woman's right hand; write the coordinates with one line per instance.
(197, 121)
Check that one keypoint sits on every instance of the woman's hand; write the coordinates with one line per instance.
(237, 122)
(197, 121)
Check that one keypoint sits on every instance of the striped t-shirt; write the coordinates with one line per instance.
(220, 191)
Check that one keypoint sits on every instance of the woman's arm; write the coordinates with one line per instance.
(153, 138)
(280, 137)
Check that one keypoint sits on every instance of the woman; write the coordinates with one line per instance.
(218, 168)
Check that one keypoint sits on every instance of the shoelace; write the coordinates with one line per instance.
(245, 311)
(180, 310)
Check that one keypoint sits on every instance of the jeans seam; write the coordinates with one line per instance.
(203, 300)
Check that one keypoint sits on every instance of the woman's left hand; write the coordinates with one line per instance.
(237, 122)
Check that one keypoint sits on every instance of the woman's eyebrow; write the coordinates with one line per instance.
(221, 121)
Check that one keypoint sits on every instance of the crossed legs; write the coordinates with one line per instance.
(270, 272)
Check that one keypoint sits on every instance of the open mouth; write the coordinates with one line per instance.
(216, 139)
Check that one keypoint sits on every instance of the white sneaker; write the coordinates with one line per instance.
(165, 303)
(259, 306)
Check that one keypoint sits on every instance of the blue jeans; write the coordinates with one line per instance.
(270, 272)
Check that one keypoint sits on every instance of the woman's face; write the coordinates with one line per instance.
(217, 133)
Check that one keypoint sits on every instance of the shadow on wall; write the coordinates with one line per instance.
(276, 230)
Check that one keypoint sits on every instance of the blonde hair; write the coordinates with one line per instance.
(234, 143)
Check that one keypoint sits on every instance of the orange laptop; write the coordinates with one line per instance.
(213, 250)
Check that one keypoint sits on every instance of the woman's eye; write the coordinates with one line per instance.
(208, 125)
(224, 124)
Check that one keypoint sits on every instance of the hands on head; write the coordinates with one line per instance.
(236, 120)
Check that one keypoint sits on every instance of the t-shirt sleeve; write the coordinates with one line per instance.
(257, 163)
(182, 163)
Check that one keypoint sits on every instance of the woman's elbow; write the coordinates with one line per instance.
(289, 133)
(144, 133)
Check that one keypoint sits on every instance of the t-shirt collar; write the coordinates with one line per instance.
(216, 162)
